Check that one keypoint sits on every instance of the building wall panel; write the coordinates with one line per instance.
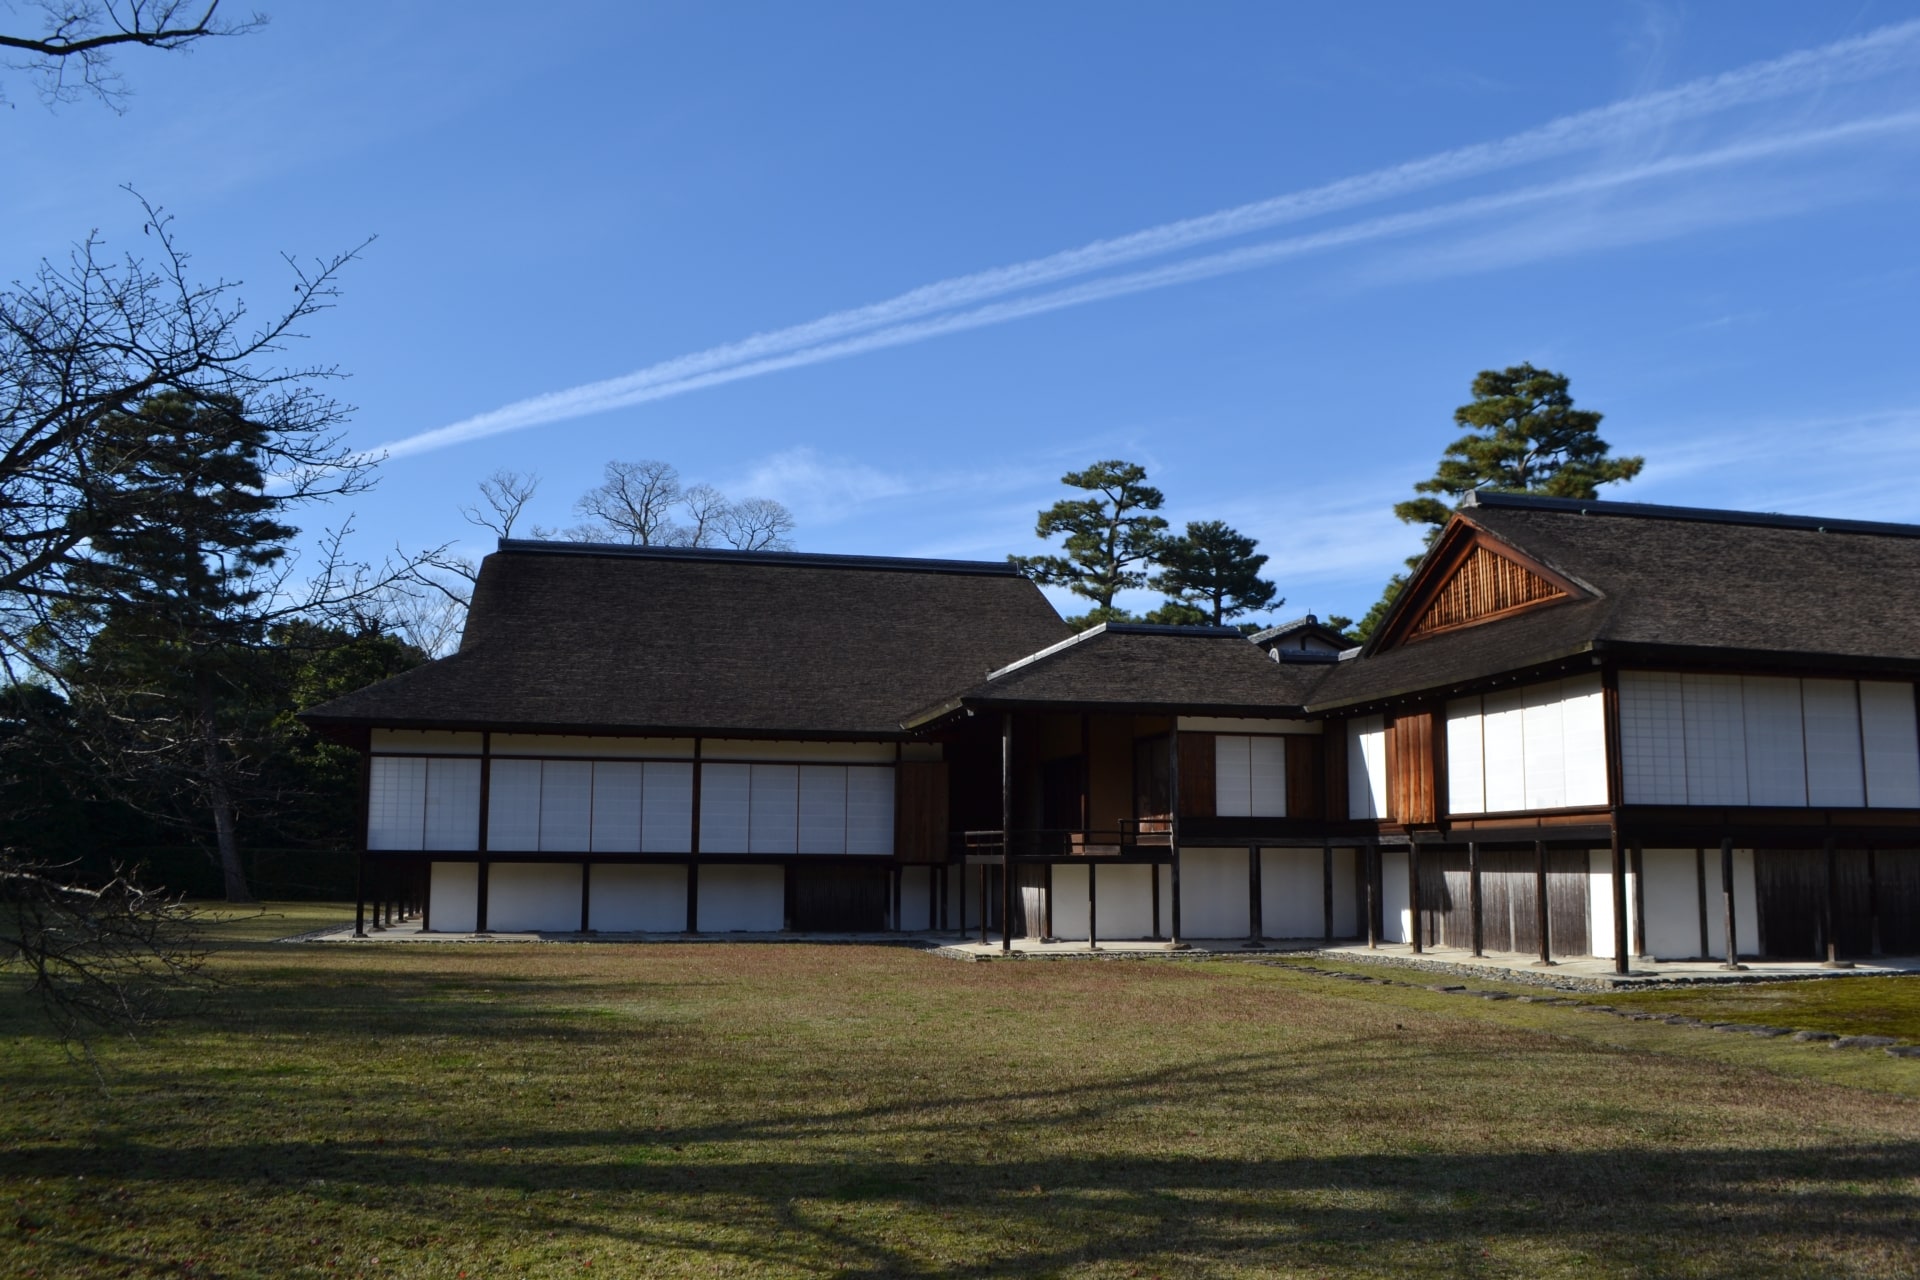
(1395, 909)
(1716, 739)
(513, 805)
(1892, 746)
(1775, 746)
(742, 899)
(1293, 893)
(1653, 737)
(1746, 919)
(1544, 748)
(639, 899)
(1672, 892)
(454, 888)
(666, 808)
(1466, 772)
(618, 792)
(1835, 776)
(1367, 767)
(566, 806)
(1213, 893)
(1504, 744)
(533, 897)
(396, 803)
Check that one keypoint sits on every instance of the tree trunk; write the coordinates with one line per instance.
(220, 796)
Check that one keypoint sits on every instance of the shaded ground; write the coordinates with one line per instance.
(709, 1110)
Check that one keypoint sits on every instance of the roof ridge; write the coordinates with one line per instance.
(1695, 515)
(789, 559)
(1118, 629)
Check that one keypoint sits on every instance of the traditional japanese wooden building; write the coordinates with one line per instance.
(1585, 728)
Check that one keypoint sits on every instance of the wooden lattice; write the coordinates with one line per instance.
(1483, 585)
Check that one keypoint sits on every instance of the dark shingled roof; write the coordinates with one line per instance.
(1137, 667)
(1310, 625)
(1673, 583)
(572, 638)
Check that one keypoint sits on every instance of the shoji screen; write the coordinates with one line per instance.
(453, 804)
(566, 806)
(1539, 747)
(823, 808)
(1776, 752)
(1653, 738)
(1250, 776)
(724, 814)
(513, 806)
(1835, 776)
(869, 809)
(1892, 749)
(1367, 768)
(396, 802)
(1466, 776)
(1716, 739)
(1504, 734)
(666, 814)
(619, 792)
(784, 808)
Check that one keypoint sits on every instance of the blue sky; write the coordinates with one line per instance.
(839, 254)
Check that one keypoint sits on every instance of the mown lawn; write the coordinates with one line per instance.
(665, 1110)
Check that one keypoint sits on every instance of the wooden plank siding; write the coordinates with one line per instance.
(1484, 585)
(1791, 897)
(1509, 893)
(1333, 760)
(1197, 782)
(1411, 767)
(920, 812)
(1306, 775)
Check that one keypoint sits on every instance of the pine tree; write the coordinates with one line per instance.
(1215, 571)
(1109, 538)
(1523, 436)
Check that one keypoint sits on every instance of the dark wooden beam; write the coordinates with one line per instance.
(1475, 907)
(1833, 892)
(586, 896)
(1006, 831)
(360, 894)
(1370, 856)
(1413, 896)
(1093, 908)
(1726, 894)
(693, 885)
(1174, 941)
(1540, 905)
(1256, 926)
(1622, 963)
(481, 877)
(1640, 900)
(1873, 899)
(1700, 880)
(1326, 891)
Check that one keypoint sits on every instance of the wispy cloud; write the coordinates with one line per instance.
(954, 305)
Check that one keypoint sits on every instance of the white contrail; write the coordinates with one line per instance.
(1846, 60)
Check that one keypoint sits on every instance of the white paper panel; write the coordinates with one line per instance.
(797, 752)
(1213, 893)
(1466, 767)
(1366, 768)
(1716, 739)
(578, 745)
(566, 806)
(666, 810)
(434, 741)
(1395, 908)
(1834, 776)
(1888, 732)
(453, 804)
(1776, 753)
(724, 789)
(1292, 893)
(823, 808)
(1583, 726)
(396, 802)
(1544, 747)
(1503, 746)
(775, 808)
(1232, 783)
(869, 809)
(639, 899)
(1267, 763)
(513, 805)
(617, 793)
(1672, 892)
(1653, 737)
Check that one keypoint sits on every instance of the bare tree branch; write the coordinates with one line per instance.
(635, 503)
(506, 495)
(72, 57)
(758, 524)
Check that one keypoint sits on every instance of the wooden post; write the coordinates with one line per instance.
(1475, 910)
(1726, 894)
(1621, 963)
(693, 895)
(1093, 918)
(1370, 856)
(586, 895)
(1046, 902)
(1153, 892)
(1540, 915)
(898, 876)
(1326, 891)
(1700, 882)
(1873, 899)
(480, 895)
(1640, 901)
(360, 894)
(426, 898)
(1833, 892)
(1419, 927)
(1174, 942)
(1006, 831)
(983, 904)
(1256, 926)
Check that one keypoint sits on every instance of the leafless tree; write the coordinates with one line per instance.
(707, 511)
(505, 495)
(97, 957)
(635, 504)
(71, 57)
(758, 524)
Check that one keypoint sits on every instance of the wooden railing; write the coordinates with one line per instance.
(1130, 835)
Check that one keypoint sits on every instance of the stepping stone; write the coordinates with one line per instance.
(1598, 1008)
(1644, 1017)
(1904, 1050)
(1455, 987)
(1681, 1020)
(1729, 1026)
(1814, 1037)
(1769, 1033)
(1864, 1042)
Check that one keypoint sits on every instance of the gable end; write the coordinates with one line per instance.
(1470, 577)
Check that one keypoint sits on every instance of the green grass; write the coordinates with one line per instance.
(667, 1110)
(1848, 1006)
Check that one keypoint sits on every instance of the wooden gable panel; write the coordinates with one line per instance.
(1411, 767)
(1196, 775)
(1481, 586)
(920, 812)
(1306, 783)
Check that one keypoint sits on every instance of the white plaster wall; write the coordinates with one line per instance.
(916, 892)
(455, 891)
(1213, 893)
(533, 897)
(1125, 905)
(428, 740)
(1396, 909)
(1292, 893)
(1746, 921)
(797, 752)
(742, 899)
(553, 744)
(1600, 903)
(1672, 891)
(639, 899)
